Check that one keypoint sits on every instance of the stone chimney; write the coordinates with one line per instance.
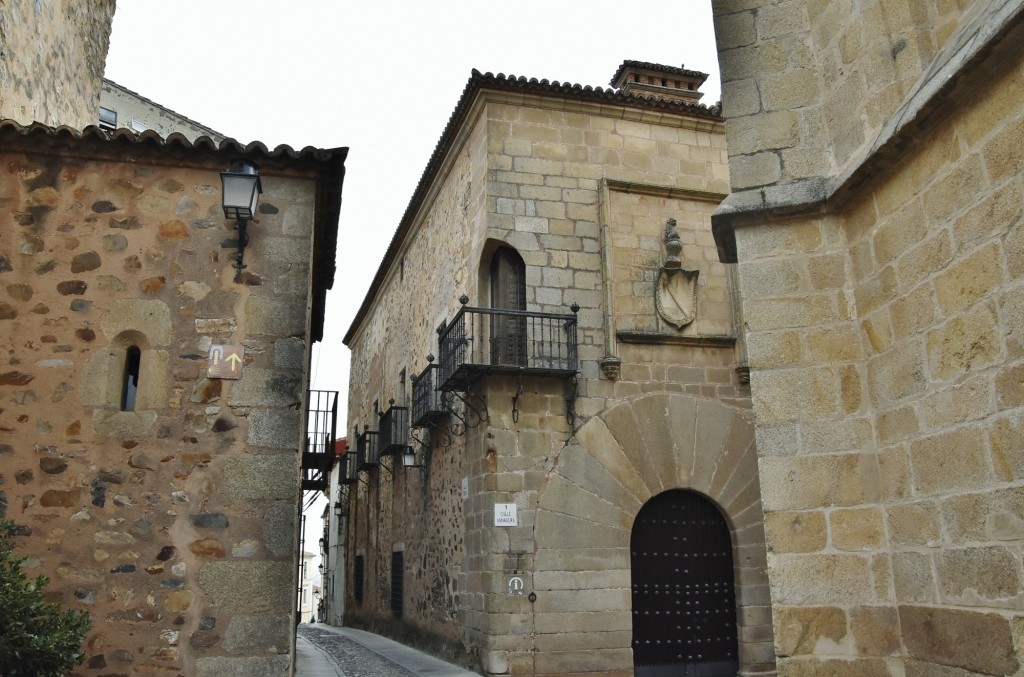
(656, 81)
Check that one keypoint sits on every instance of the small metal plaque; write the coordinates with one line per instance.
(225, 361)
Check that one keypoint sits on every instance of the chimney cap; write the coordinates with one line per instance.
(658, 80)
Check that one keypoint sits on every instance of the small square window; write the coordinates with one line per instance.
(108, 118)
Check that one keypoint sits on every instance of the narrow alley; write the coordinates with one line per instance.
(326, 651)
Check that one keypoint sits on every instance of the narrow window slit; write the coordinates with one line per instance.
(130, 385)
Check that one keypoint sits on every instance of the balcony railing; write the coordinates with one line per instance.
(321, 425)
(394, 430)
(366, 450)
(494, 340)
(427, 401)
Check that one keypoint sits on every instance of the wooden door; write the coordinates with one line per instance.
(508, 292)
(684, 606)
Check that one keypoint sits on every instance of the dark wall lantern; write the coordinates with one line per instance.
(241, 191)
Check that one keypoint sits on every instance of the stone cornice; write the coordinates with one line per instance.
(662, 338)
(993, 32)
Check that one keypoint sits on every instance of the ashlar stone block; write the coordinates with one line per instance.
(964, 283)
(215, 666)
(792, 531)
(247, 587)
(809, 630)
(950, 461)
(809, 579)
(797, 483)
(977, 642)
(250, 476)
(856, 529)
(982, 574)
(150, 318)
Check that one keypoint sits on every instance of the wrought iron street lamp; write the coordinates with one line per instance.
(241, 191)
(409, 459)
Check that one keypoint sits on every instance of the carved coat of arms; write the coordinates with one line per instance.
(676, 293)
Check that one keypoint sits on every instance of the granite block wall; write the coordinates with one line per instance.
(172, 522)
(583, 194)
(881, 319)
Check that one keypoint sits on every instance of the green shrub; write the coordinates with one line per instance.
(37, 637)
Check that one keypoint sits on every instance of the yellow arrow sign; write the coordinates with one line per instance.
(225, 361)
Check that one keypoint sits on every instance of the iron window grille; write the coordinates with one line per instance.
(496, 340)
(397, 574)
(427, 401)
(357, 578)
(366, 450)
(348, 468)
(394, 430)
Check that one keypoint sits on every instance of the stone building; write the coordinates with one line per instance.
(121, 107)
(590, 394)
(151, 475)
(309, 594)
(875, 155)
(334, 523)
(52, 60)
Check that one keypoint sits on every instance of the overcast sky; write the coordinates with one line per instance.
(381, 77)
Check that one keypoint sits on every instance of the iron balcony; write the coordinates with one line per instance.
(321, 425)
(497, 341)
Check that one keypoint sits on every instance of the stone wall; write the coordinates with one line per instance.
(418, 512)
(173, 523)
(139, 114)
(583, 194)
(53, 58)
(808, 85)
(883, 329)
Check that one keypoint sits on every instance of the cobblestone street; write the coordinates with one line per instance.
(353, 653)
(354, 659)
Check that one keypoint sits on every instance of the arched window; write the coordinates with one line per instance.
(508, 292)
(130, 380)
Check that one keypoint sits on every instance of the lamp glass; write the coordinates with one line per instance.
(337, 508)
(408, 458)
(241, 190)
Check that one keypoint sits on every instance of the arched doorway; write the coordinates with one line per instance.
(684, 605)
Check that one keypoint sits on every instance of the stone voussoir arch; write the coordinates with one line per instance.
(643, 446)
(635, 450)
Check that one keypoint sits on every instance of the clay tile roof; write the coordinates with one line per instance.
(121, 143)
(661, 68)
(509, 83)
